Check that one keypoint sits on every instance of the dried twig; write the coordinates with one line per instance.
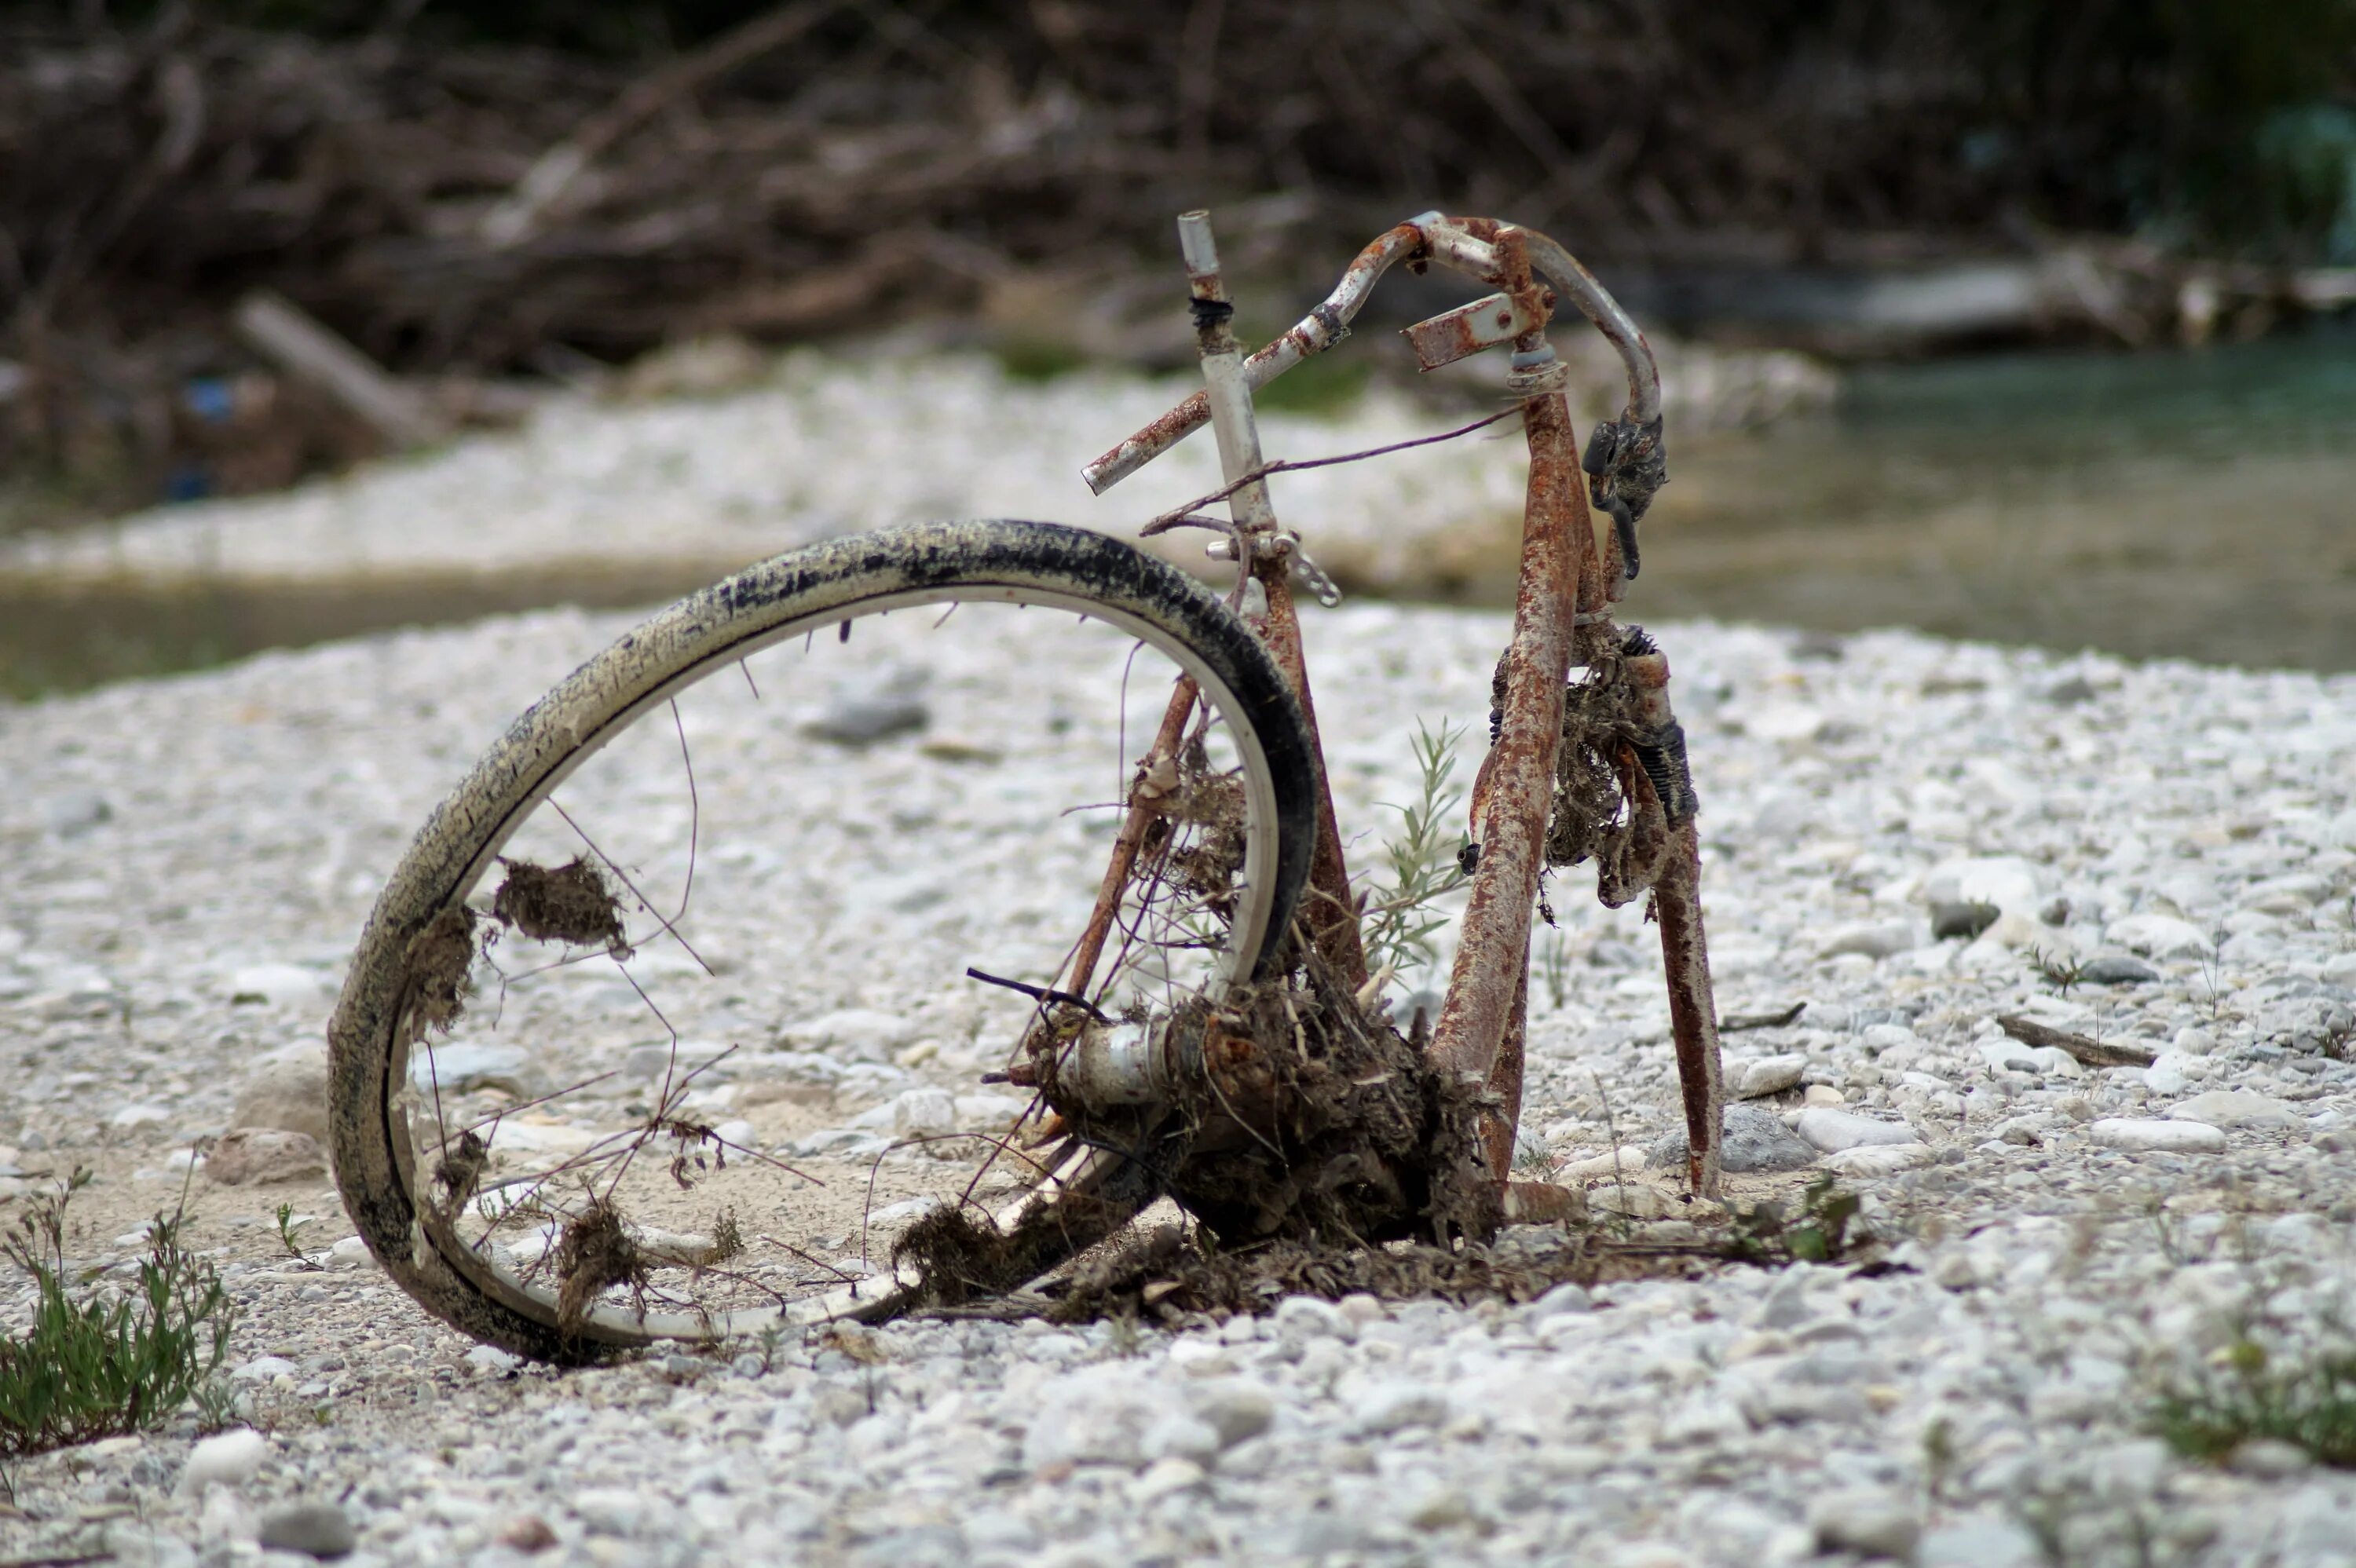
(2092, 1052)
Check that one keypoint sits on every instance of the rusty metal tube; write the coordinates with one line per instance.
(1462, 244)
(1320, 329)
(1595, 303)
(1331, 916)
(1492, 949)
(1693, 1010)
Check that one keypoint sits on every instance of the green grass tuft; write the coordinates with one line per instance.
(107, 1362)
(2248, 1394)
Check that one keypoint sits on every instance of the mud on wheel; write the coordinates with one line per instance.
(598, 1066)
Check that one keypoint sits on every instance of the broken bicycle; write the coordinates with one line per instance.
(693, 874)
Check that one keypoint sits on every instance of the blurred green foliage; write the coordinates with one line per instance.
(2222, 124)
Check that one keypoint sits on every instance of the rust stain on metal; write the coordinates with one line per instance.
(1320, 329)
(1141, 814)
(1465, 331)
(1502, 1117)
(1493, 950)
(1331, 916)
(1693, 1010)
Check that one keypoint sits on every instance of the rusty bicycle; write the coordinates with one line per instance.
(694, 874)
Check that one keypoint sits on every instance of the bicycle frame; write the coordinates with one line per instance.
(1566, 586)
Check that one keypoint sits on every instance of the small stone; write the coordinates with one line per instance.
(990, 1112)
(1868, 939)
(2155, 1136)
(908, 1210)
(1871, 1524)
(1979, 1540)
(2157, 936)
(491, 1361)
(863, 720)
(1234, 1410)
(261, 1369)
(277, 985)
(610, 1511)
(259, 1155)
(2018, 931)
(1756, 1077)
(2007, 1055)
(1880, 1159)
(1952, 917)
(923, 1113)
(71, 815)
(465, 1067)
(2116, 969)
(2232, 1108)
(858, 1033)
(1832, 1130)
(314, 1530)
(1566, 1299)
(289, 1094)
(1619, 1162)
(528, 1533)
(226, 1517)
(2002, 882)
(2269, 1458)
(1178, 1436)
(229, 1458)
(1310, 1318)
(139, 1115)
(1753, 1139)
(1823, 1094)
(1882, 1039)
(2166, 1075)
(1439, 1508)
(1631, 1201)
(1387, 1407)
(2070, 691)
(1166, 1478)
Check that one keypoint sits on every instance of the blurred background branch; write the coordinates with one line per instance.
(474, 188)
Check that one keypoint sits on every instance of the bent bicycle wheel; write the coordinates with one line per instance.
(663, 1024)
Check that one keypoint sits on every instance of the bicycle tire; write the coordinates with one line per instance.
(374, 1025)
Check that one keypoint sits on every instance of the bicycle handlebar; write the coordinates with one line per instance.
(1430, 236)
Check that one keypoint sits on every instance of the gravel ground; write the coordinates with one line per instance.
(187, 859)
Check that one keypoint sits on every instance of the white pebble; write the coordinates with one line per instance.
(2167, 1137)
(226, 1458)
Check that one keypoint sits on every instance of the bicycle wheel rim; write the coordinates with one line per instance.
(1031, 565)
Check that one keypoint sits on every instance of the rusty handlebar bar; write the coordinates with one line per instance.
(1465, 245)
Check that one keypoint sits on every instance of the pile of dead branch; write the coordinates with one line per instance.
(832, 164)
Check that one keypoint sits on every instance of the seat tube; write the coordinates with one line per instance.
(1329, 913)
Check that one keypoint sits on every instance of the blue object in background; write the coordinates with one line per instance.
(209, 399)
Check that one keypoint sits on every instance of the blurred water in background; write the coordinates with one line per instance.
(2189, 503)
(2196, 504)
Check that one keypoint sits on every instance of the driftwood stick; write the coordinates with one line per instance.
(2092, 1052)
(297, 344)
